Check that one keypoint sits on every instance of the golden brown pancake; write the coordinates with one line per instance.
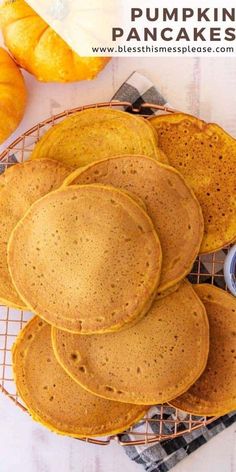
(214, 393)
(86, 259)
(206, 156)
(146, 363)
(54, 399)
(94, 134)
(170, 203)
(20, 186)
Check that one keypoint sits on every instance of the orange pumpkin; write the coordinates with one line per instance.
(39, 49)
(12, 95)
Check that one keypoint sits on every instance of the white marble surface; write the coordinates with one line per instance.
(205, 87)
(26, 446)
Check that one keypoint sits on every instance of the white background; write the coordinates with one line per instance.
(205, 87)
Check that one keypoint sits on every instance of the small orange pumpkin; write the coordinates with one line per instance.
(12, 95)
(39, 49)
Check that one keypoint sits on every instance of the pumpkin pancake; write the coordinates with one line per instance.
(20, 186)
(206, 156)
(94, 134)
(146, 363)
(54, 399)
(92, 259)
(214, 393)
(171, 204)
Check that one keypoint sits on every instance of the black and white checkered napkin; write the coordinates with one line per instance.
(138, 89)
(161, 457)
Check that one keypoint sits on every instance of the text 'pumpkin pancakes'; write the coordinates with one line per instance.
(171, 204)
(146, 363)
(54, 399)
(94, 134)
(86, 259)
(206, 156)
(214, 393)
(20, 186)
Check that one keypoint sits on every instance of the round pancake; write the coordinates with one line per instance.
(54, 399)
(20, 186)
(170, 203)
(146, 363)
(214, 393)
(92, 259)
(94, 134)
(206, 156)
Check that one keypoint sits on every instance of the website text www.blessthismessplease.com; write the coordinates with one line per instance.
(163, 49)
(180, 31)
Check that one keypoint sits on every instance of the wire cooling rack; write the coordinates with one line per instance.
(161, 422)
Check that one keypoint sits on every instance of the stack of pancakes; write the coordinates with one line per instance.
(98, 231)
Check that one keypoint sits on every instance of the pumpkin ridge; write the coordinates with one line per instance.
(41, 35)
(12, 95)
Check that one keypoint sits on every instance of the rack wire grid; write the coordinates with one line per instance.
(161, 422)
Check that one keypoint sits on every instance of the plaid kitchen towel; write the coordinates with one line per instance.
(138, 89)
(161, 457)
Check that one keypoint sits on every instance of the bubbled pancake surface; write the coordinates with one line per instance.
(94, 134)
(170, 203)
(146, 363)
(206, 156)
(92, 259)
(214, 393)
(54, 399)
(20, 186)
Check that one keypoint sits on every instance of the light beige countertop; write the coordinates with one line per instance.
(26, 446)
(204, 87)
